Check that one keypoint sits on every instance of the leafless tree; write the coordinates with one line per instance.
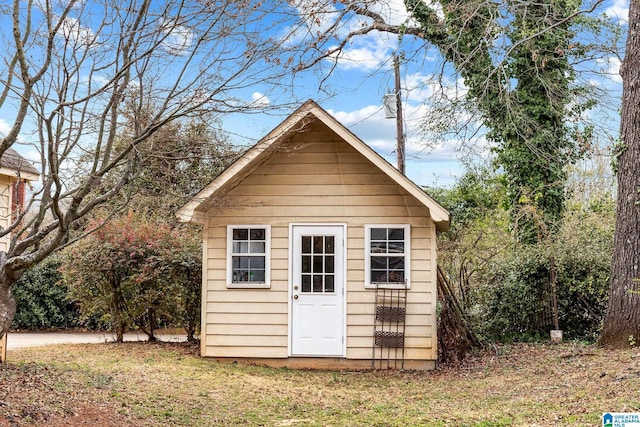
(77, 81)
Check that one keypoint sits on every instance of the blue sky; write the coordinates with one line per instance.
(354, 90)
(358, 84)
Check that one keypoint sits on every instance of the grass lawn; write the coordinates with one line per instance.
(168, 384)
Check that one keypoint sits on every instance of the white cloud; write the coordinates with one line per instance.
(610, 67)
(4, 127)
(33, 156)
(619, 10)
(364, 58)
(370, 125)
(315, 18)
(366, 52)
(178, 38)
(259, 100)
(72, 30)
(421, 87)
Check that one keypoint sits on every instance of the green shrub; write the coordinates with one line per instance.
(41, 299)
(516, 293)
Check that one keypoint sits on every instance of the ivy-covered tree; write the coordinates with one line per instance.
(135, 271)
(515, 59)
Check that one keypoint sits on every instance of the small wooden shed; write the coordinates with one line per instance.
(298, 234)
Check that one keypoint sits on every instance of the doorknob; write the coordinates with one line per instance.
(295, 297)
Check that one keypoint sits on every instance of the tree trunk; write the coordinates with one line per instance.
(7, 306)
(151, 315)
(622, 321)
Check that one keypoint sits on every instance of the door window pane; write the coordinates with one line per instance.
(306, 244)
(329, 264)
(306, 283)
(306, 264)
(329, 285)
(329, 244)
(317, 283)
(318, 264)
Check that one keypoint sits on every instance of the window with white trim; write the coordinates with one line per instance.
(248, 255)
(387, 260)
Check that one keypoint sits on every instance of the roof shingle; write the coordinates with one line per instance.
(11, 159)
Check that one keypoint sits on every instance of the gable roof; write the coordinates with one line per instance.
(308, 113)
(12, 164)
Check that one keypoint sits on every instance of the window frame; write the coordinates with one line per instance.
(368, 255)
(267, 257)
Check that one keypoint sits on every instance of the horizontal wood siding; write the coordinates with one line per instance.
(5, 209)
(315, 178)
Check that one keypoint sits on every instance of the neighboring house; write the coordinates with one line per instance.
(15, 175)
(298, 233)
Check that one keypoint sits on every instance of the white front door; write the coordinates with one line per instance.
(317, 290)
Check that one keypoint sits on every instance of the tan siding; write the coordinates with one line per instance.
(244, 330)
(327, 182)
(245, 351)
(247, 318)
(5, 209)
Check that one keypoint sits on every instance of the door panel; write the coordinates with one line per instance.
(318, 274)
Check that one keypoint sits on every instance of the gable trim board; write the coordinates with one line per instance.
(311, 178)
(195, 209)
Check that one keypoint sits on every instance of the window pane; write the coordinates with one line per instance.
(240, 276)
(378, 234)
(396, 263)
(240, 247)
(240, 262)
(396, 234)
(257, 248)
(306, 264)
(329, 244)
(329, 283)
(317, 264)
(329, 264)
(396, 247)
(235, 262)
(395, 277)
(378, 247)
(256, 262)
(317, 283)
(257, 275)
(379, 262)
(306, 283)
(258, 234)
(240, 234)
(318, 244)
(378, 276)
(306, 244)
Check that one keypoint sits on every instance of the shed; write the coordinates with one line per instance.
(297, 235)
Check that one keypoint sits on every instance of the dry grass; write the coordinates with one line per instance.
(163, 384)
